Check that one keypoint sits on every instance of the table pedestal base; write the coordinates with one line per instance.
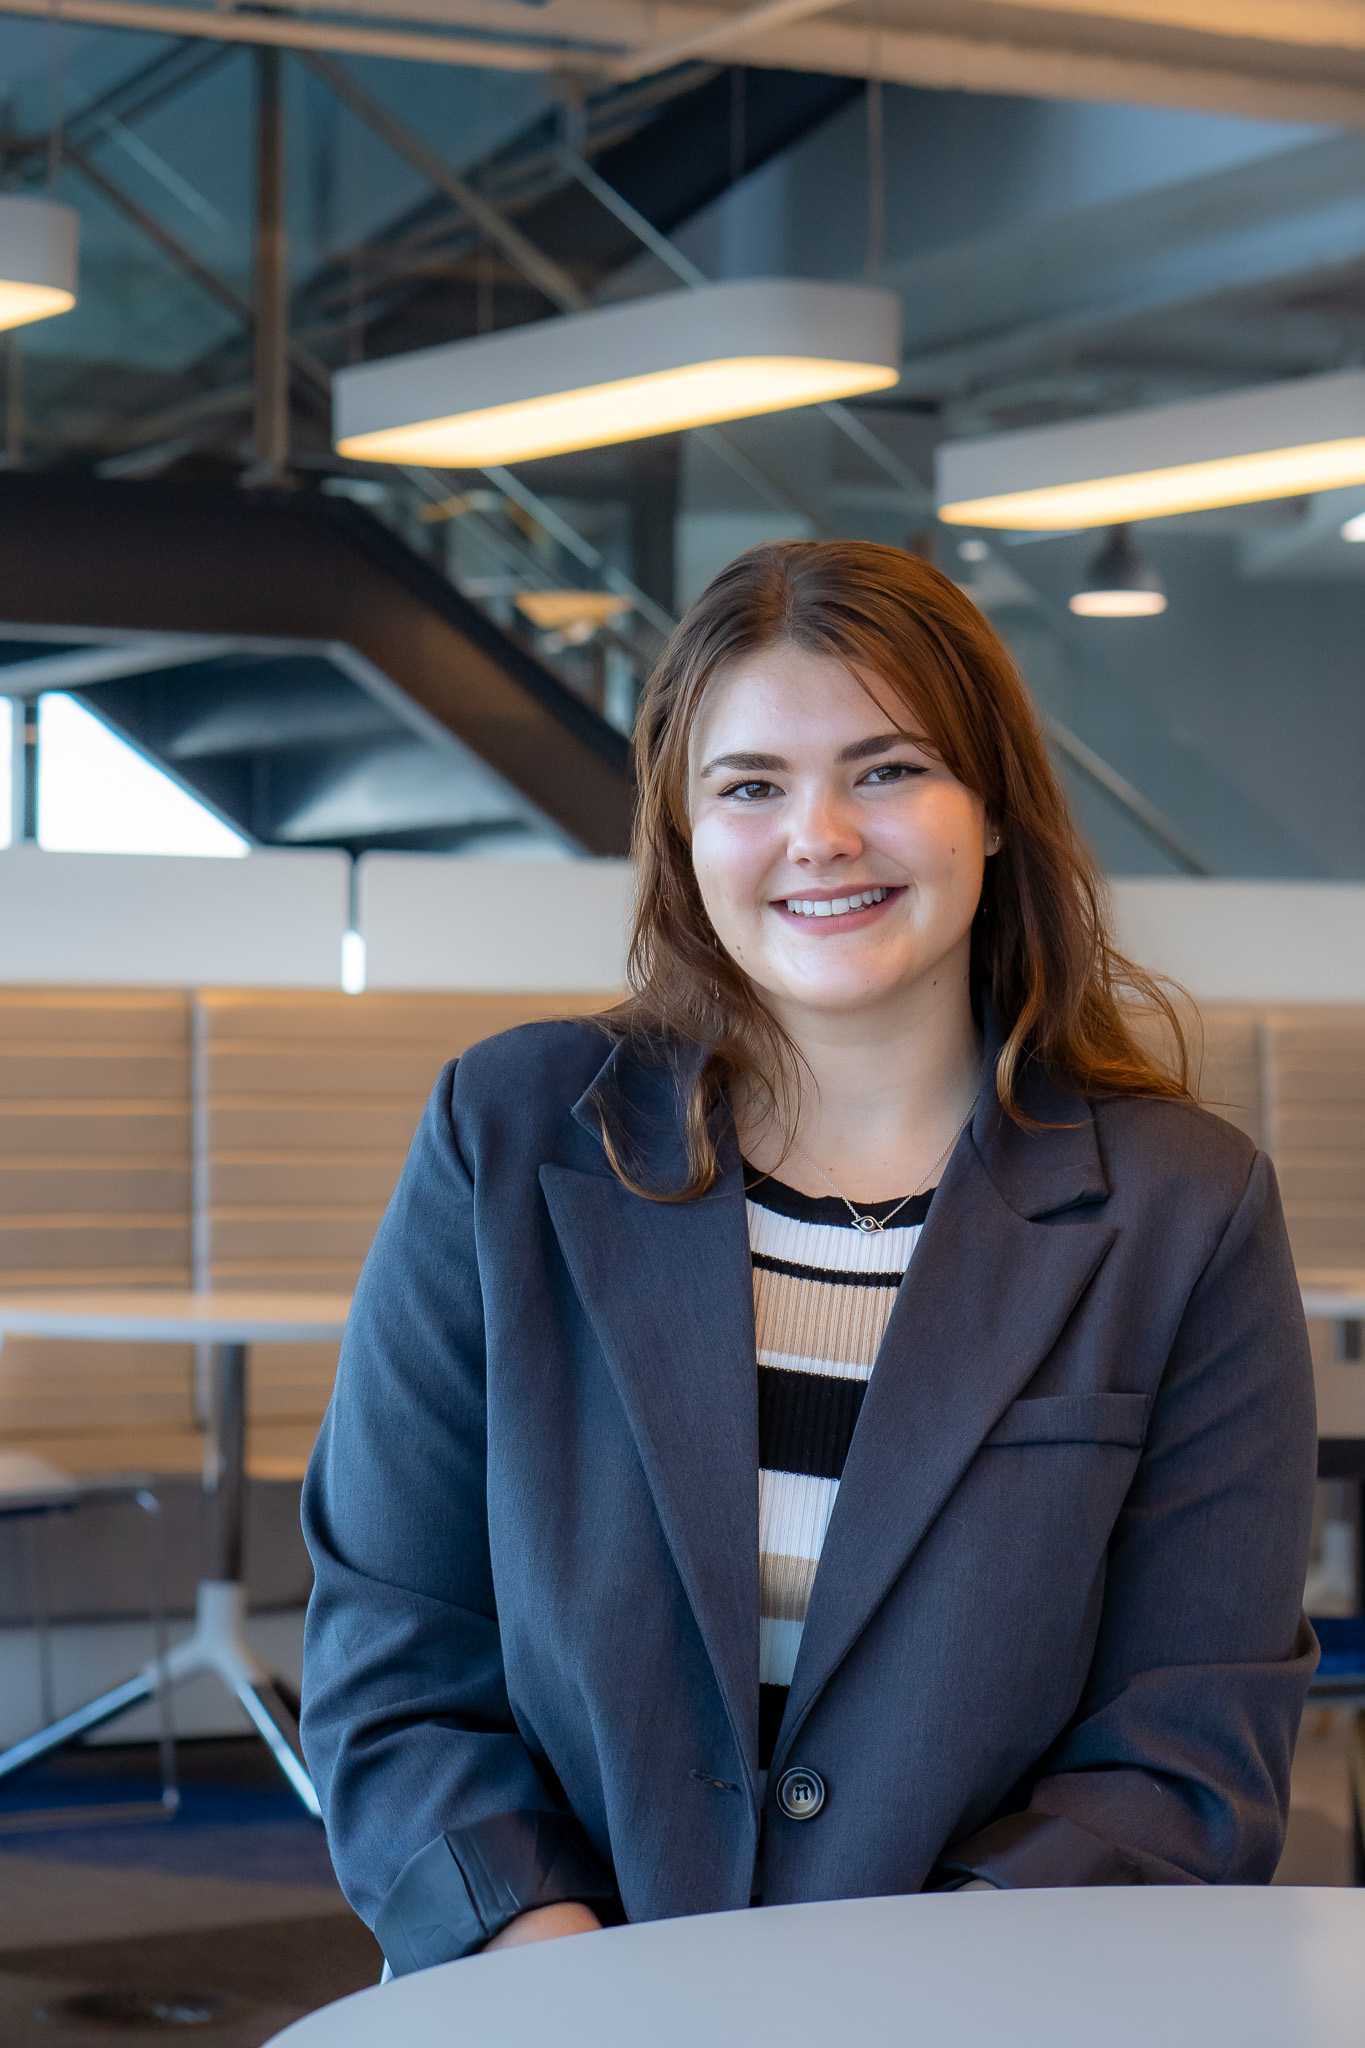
(219, 1645)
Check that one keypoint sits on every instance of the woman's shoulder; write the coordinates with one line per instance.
(548, 1060)
(1180, 1144)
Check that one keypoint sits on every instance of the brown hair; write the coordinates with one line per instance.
(1041, 954)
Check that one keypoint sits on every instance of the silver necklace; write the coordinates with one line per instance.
(871, 1223)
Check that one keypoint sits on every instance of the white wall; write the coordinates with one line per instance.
(1248, 942)
(148, 920)
(275, 920)
(435, 923)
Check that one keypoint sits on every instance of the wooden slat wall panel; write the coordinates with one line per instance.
(1318, 1136)
(312, 1099)
(311, 1102)
(455, 1021)
(93, 1015)
(1228, 1045)
(95, 1191)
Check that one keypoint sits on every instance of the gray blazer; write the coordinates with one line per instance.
(1055, 1637)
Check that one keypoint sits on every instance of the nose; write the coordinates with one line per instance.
(822, 827)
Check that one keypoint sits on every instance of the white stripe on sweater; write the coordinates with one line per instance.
(828, 1245)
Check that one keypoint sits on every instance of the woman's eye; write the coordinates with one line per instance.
(749, 792)
(892, 771)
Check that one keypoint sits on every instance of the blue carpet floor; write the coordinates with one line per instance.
(227, 1830)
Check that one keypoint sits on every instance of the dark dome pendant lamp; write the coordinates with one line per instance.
(1120, 583)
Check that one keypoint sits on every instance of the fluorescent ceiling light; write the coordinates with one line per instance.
(38, 241)
(1276, 441)
(651, 366)
(1354, 529)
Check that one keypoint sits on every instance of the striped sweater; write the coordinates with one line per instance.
(823, 1295)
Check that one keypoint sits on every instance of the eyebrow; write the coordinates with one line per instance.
(859, 750)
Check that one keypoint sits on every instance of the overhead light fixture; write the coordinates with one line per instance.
(1354, 529)
(650, 366)
(1276, 441)
(38, 243)
(1120, 584)
(576, 614)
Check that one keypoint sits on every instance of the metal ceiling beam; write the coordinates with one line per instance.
(128, 100)
(270, 325)
(1134, 62)
(282, 33)
(720, 34)
(548, 276)
(185, 260)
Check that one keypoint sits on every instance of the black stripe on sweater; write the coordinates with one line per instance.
(781, 1200)
(826, 1276)
(772, 1703)
(806, 1421)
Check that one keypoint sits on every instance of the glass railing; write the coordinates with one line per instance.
(543, 577)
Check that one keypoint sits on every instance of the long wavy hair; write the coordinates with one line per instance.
(1059, 991)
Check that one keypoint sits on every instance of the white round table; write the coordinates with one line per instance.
(227, 1324)
(1114, 1967)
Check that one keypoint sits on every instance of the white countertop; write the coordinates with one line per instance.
(1336, 1292)
(174, 1316)
(1112, 1967)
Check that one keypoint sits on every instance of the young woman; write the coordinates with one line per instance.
(842, 1422)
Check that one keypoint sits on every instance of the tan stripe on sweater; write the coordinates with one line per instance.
(785, 1590)
(815, 1319)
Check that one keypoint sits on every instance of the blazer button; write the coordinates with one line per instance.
(800, 1793)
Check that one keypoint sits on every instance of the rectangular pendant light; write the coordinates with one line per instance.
(649, 366)
(1274, 441)
(38, 241)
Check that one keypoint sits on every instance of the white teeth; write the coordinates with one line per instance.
(838, 907)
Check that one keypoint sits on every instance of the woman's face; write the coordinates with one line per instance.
(839, 861)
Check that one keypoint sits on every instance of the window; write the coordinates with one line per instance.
(96, 794)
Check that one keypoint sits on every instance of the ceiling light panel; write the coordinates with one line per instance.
(1275, 441)
(650, 366)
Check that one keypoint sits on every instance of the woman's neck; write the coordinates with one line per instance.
(892, 1088)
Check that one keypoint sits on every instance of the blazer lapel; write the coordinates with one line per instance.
(986, 1296)
(669, 1292)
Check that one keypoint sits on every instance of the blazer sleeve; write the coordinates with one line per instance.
(406, 1723)
(1175, 1769)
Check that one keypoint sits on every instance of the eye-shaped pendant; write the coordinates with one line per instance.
(867, 1223)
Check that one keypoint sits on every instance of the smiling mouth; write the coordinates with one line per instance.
(836, 906)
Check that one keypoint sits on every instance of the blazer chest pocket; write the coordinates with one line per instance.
(1075, 1419)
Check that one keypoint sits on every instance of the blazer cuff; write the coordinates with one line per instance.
(466, 1886)
(1034, 1851)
